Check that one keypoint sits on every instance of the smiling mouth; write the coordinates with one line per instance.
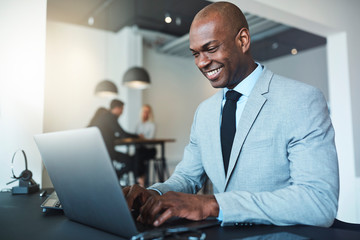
(213, 73)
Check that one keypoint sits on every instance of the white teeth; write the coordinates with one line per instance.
(213, 72)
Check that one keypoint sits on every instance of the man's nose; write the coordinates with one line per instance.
(202, 61)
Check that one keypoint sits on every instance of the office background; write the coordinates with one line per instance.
(49, 71)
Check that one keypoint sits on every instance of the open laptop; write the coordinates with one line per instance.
(85, 181)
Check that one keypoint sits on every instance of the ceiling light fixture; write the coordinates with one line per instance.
(168, 19)
(106, 88)
(136, 77)
(294, 51)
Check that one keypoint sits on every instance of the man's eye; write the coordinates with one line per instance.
(195, 54)
(212, 49)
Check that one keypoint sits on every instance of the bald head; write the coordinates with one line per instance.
(228, 16)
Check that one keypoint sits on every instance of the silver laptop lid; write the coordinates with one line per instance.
(83, 176)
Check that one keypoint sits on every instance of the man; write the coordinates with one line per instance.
(282, 166)
(107, 122)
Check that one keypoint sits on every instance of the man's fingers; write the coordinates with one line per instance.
(145, 216)
(151, 209)
(163, 217)
(126, 190)
(131, 195)
(157, 209)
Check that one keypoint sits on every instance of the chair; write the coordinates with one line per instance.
(346, 226)
(124, 167)
(144, 156)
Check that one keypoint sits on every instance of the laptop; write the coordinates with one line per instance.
(87, 186)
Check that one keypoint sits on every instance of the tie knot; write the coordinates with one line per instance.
(233, 95)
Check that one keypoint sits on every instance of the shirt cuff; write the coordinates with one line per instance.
(156, 190)
(220, 217)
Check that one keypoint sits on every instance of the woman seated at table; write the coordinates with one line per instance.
(146, 129)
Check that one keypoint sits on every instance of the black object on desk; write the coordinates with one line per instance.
(25, 187)
(21, 218)
(26, 182)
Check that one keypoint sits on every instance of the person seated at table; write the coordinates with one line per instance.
(107, 122)
(145, 128)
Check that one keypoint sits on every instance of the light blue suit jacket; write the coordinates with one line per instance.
(283, 166)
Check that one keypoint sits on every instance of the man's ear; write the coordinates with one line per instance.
(243, 39)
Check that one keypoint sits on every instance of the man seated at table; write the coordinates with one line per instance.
(107, 122)
(266, 142)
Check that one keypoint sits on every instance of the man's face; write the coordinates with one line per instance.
(217, 52)
(117, 111)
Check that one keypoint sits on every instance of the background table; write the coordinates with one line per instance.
(162, 171)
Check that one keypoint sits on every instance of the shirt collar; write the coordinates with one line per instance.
(245, 86)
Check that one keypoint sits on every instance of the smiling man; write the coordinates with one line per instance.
(266, 142)
(221, 46)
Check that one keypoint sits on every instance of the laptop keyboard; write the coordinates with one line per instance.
(52, 202)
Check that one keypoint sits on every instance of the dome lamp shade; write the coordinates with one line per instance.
(106, 88)
(136, 77)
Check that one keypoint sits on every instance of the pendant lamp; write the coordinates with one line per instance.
(136, 77)
(106, 88)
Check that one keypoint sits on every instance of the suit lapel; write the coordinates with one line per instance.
(252, 109)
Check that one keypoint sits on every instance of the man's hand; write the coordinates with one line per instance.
(136, 195)
(158, 209)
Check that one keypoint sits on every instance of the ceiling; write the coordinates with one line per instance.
(269, 39)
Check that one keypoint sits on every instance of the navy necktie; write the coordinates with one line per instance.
(228, 125)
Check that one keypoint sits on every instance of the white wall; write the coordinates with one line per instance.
(22, 64)
(75, 63)
(77, 58)
(307, 66)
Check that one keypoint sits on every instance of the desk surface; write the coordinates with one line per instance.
(21, 218)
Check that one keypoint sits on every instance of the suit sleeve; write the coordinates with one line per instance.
(189, 175)
(311, 197)
(120, 132)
